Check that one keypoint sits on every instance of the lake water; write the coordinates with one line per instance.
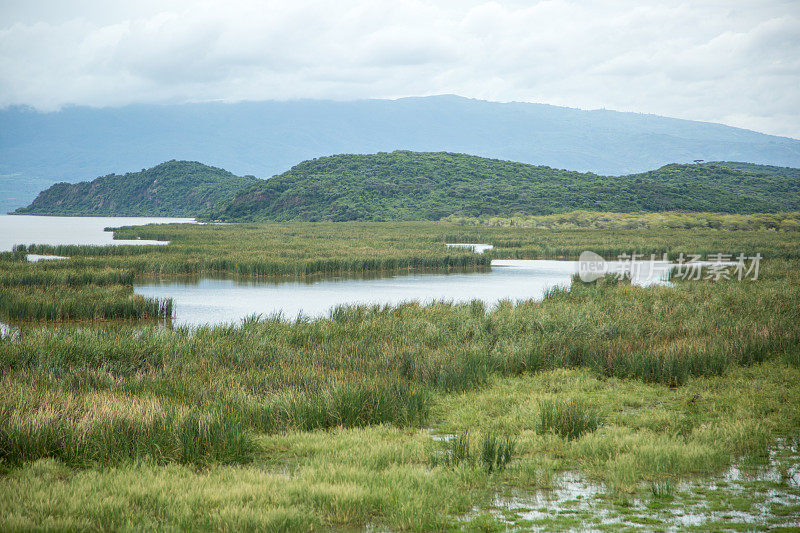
(32, 229)
(215, 301)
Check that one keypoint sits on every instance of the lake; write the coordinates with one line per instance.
(33, 229)
(216, 301)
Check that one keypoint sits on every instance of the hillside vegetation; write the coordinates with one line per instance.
(174, 188)
(405, 185)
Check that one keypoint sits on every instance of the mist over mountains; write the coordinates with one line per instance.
(266, 138)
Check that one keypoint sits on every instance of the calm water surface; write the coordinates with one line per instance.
(215, 301)
(32, 229)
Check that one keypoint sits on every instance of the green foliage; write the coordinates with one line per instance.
(769, 170)
(494, 454)
(420, 186)
(89, 302)
(430, 186)
(496, 451)
(174, 188)
(456, 450)
(567, 418)
(589, 220)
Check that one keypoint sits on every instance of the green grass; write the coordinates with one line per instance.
(380, 475)
(91, 302)
(497, 451)
(567, 418)
(372, 365)
(326, 423)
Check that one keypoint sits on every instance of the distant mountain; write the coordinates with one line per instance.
(174, 188)
(428, 186)
(266, 138)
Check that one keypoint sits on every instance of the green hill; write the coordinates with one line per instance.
(174, 188)
(428, 186)
(760, 169)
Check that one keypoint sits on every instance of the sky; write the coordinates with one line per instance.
(735, 61)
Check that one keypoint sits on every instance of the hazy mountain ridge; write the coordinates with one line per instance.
(266, 138)
(406, 185)
(173, 188)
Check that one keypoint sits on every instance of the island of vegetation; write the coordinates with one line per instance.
(173, 188)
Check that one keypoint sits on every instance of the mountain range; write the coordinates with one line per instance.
(268, 138)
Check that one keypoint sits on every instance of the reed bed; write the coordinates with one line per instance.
(567, 418)
(492, 455)
(302, 250)
(84, 303)
(32, 274)
(625, 221)
(98, 428)
(116, 401)
(362, 365)
(368, 365)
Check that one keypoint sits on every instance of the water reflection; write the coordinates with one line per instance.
(214, 301)
(7, 331)
(31, 229)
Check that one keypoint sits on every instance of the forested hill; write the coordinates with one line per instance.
(759, 169)
(428, 186)
(174, 188)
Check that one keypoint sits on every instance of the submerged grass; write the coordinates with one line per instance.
(493, 454)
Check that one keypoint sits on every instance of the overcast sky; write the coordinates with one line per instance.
(733, 61)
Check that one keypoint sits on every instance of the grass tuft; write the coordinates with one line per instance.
(567, 418)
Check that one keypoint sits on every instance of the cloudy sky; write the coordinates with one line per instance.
(733, 61)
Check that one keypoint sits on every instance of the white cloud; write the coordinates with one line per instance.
(736, 61)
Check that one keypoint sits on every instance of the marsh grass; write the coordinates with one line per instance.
(494, 452)
(363, 365)
(348, 405)
(457, 450)
(301, 250)
(368, 365)
(663, 489)
(594, 220)
(101, 430)
(568, 419)
(497, 451)
(84, 303)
